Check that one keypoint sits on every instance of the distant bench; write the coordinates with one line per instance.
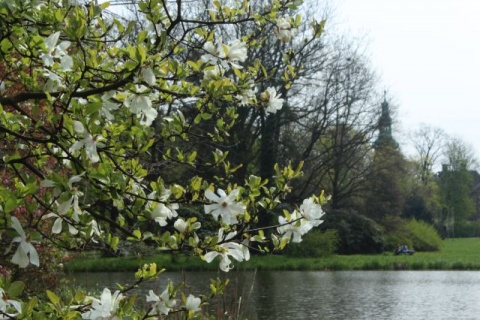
(404, 250)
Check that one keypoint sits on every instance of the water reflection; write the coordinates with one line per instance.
(330, 295)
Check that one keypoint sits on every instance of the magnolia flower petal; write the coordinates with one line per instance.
(33, 256)
(51, 41)
(148, 76)
(17, 226)
(57, 226)
(78, 127)
(210, 195)
(20, 258)
(66, 62)
(210, 256)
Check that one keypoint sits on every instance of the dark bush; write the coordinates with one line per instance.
(315, 244)
(357, 233)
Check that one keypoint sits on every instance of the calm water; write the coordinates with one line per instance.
(330, 295)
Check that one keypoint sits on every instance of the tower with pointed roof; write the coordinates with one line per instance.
(384, 127)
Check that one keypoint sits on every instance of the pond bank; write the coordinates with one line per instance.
(457, 254)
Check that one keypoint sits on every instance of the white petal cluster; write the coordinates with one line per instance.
(224, 55)
(225, 205)
(64, 206)
(105, 307)
(89, 142)
(283, 30)
(148, 76)
(300, 221)
(54, 81)
(238, 251)
(108, 106)
(213, 72)
(192, 303)
(5, 304)
(184, 226)
(160, 304)
(273, 101)
(55, 51)
(162, 211)
(312, 212)
(26, 252)
(141, 105)
(246, 96)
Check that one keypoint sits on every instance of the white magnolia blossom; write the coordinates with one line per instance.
(300, 221)
(182, 226)
(64, 206)
(236, 52)
(5, 303)
(192, 303)
(312, 212)
(294, 227)
(274, 102)
(283, 30)
(58, 226)
(105, 308)
(228, 248)
(59, 52)
(54, 81)
(141, 105)
(223, 54)
(224, 206)
(246, 96)
(26, 252)
(161, 213)
(88, 142)
(108, 106)
(213, 72)
(148, 76)
(161, 304)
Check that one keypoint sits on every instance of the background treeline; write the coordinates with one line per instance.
(331, 119)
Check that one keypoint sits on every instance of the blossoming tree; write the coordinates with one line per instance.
(82, 111)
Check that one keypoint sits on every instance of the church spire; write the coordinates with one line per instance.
(384, 126)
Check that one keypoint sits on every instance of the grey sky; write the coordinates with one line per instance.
(427, 53)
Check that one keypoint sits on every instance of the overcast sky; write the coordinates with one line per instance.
(427, 53)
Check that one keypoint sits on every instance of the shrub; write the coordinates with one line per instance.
(424, 236)
(315, 244)
(357, 233)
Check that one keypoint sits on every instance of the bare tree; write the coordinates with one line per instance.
(428, 142)
(334, 133)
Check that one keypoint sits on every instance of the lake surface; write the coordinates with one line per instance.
(327, 295)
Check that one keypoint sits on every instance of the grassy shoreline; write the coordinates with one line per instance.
(457, 254)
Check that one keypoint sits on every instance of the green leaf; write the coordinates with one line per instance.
(137, 233)
(192, 156)
(79, 296)
(53, 297)
(10, 202)
(15, 289)
(92, 108)
(142, 36)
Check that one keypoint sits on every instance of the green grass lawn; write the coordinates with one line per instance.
(456, 254)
